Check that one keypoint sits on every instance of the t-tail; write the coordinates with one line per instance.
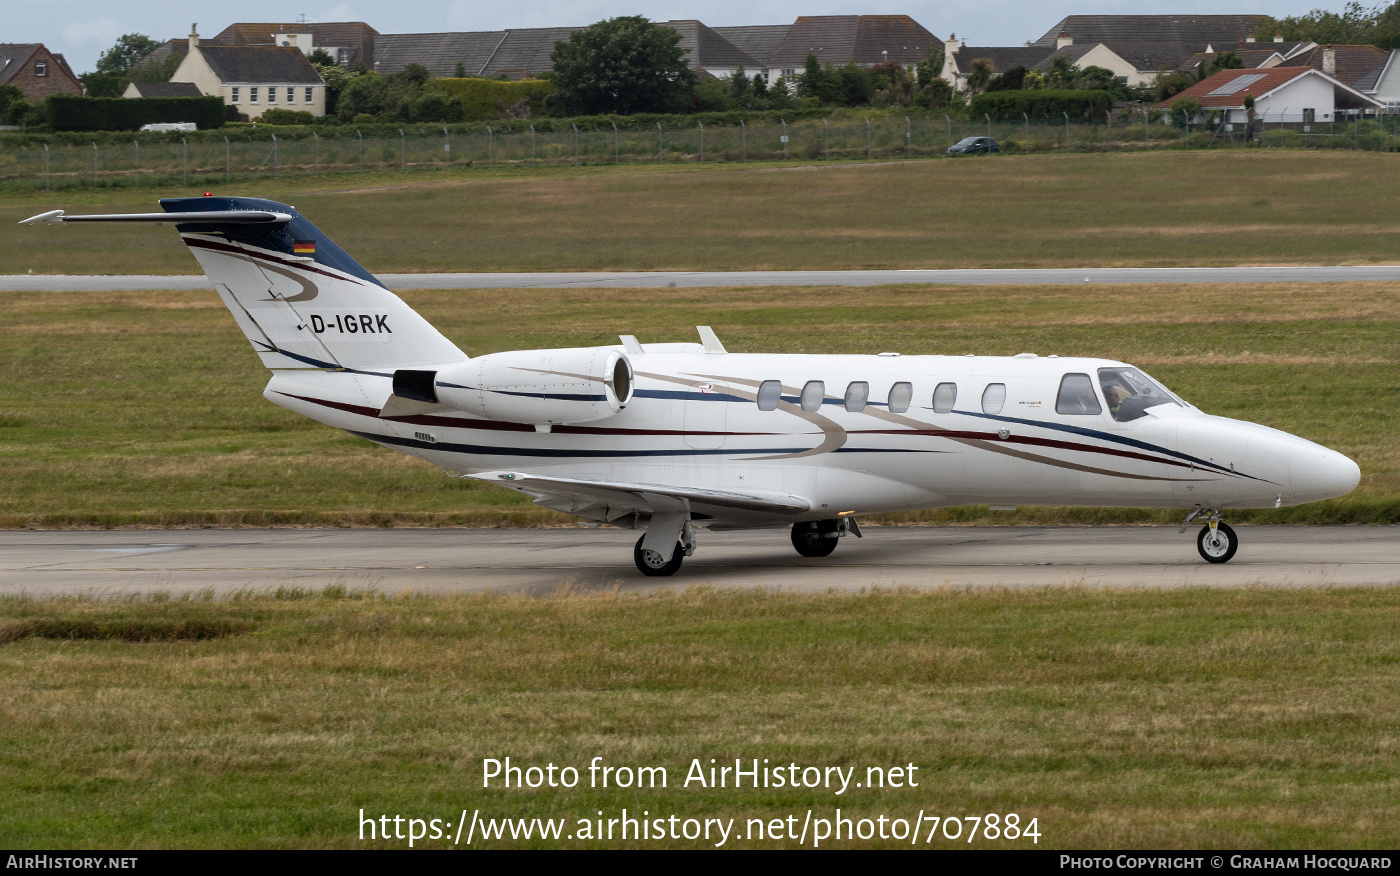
(302, 301)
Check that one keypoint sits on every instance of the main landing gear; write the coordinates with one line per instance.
(1216, 541)
(653, 560)
(817, 538)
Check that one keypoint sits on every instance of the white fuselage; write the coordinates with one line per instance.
(694, 421)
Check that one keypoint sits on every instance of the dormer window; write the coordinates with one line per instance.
(41, 69)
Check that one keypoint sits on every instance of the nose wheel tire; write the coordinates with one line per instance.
(811, 539)
(1218, 546)
(651, 564)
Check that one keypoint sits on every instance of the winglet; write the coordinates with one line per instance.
(51, 216)
(710, 340)
(631, 344)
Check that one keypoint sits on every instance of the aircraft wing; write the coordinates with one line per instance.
(609, 500)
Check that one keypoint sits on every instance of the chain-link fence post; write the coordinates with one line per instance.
(575, 127)
(1146, 135)
(94, 167)
(1066, 132)
(403, 151)
(1026, 144)
(361, 138)
(950, 131)
(228, 160)
(490, 148)
(826, 138)
(446, 149)
(660, 144)
(46, 167)
(908, 138)
(185, 165)
(702, 141)
(784, 121)
(137, 144)
(743, 141)
(532, 145)
(1110, 130)
(989, 124)
(617, 149)
(274, 155)
(867, 139)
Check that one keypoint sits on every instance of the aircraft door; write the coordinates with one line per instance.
(706, 415)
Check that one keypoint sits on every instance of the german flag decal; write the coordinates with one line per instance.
(304, 247)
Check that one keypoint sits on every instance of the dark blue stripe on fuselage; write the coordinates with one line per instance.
(1106, 436)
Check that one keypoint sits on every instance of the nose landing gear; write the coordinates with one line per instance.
(1216, 542)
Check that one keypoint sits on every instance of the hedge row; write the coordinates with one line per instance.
(67, 113)
(1041, 103)
(482, 99)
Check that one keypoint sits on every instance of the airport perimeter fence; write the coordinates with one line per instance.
(258, 153)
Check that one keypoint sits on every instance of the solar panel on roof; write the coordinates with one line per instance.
(1238, 84)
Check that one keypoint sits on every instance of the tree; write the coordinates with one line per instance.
(817, 81)
(979, 75)
(739, 83)
(460, 71)
(1062, 73)
(622, 65)
(1171, 85)
(930, 68)
(127, 52)
(321, 56)
(1354, 25)
(1225, 61)
(760, 85)
(1184, 110)
(1012, 80)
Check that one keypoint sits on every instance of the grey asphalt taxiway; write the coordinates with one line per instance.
(732, 279)
(540, 561)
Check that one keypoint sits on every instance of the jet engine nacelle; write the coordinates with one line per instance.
(540, 387)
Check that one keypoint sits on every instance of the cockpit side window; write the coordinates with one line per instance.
(1130, 393)
(770, 392)
(1077, 396)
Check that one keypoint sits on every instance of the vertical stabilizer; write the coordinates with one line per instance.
(300, 299)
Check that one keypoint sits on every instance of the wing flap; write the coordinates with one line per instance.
(639, 498)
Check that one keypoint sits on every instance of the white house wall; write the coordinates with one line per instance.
(1287, 103)
(1388, 88)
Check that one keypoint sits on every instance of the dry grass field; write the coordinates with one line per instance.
(145, 407)
(1181, 719)
(1187, 208)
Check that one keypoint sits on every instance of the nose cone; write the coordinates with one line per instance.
(1318, 473)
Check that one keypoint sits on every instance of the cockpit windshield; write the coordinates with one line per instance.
(1130, 393)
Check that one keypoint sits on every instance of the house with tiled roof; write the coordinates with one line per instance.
(865, 40)
(36, 71)
(1136, 48)
(1348, 64)
(1281, 94)
(254, 79)
(1383, 84)
(708, 52)
(516, 54)
(350, 43)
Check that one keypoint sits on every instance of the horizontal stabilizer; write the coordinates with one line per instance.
(643, 498)
(219, 217)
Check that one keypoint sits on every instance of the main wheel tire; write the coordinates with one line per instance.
(649, 563)
(1220, 547)
(810, 538)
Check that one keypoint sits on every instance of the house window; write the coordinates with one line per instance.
(271, 94)
(291, 94)
(789, 72)
(41, 69)
(235, 93)
(308, 95)
(252, 94)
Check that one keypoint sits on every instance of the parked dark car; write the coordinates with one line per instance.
(974, 146)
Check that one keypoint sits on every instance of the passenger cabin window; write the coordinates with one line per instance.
(944, 397)
(901, 394)
(857, 394)
(1077, 396)
(770, 392)
(993, 397)
(812, 395)
(1130, 393)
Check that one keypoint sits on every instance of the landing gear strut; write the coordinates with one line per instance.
(653, 561)
(817, 538)
(1216, 542)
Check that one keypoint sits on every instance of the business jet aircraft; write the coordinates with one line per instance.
(671, 437)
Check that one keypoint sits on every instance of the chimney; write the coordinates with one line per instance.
(1063, 40)
(1329, 61)
(194, 35)
(1278, 36)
